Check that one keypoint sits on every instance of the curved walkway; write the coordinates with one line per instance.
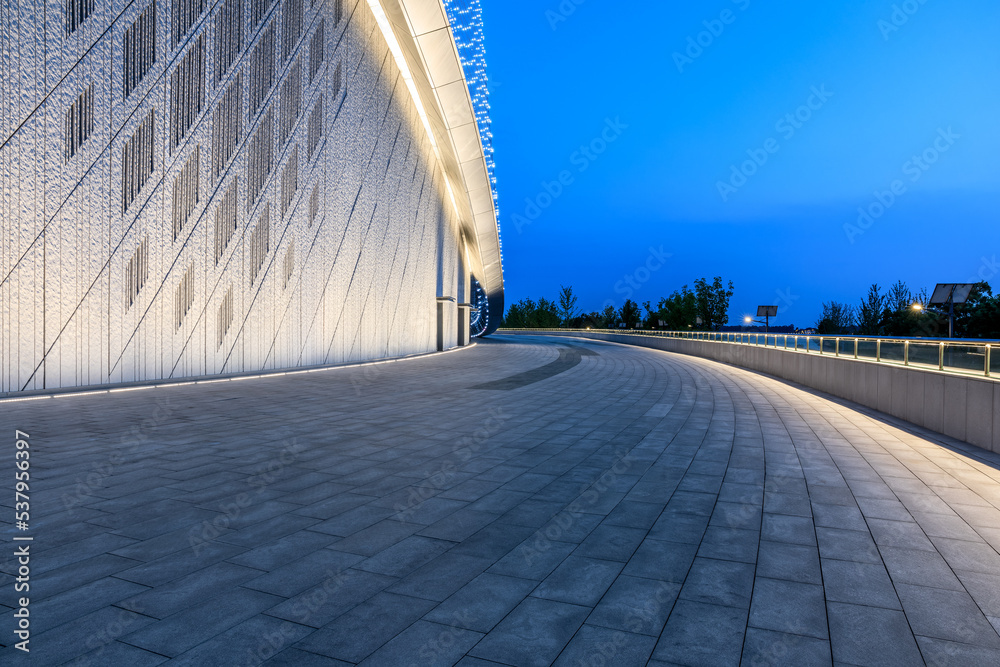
(524, 502)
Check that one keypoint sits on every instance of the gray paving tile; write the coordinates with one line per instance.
(199, 623)
(337, 594)
(859, 583)
(405, 556)
(535, 558)
(719, 582)
(250, 642)
(441, 577)
(608, 542)
(725, 543)
(862, 635)
(766, 647)
(302, 573)
(699, 635)
(657, 559)
(482, 603)
(916, 566)
(272, 555)
(614, 647)
(535, 633)
(790, 562)
(579, 580)
(789, 529)
(425, 643)
(360, 632)
(76, 602)
(789, 607)
(941, 652)
(945, 614)
(636, 605)
(169, 598)
(850, 545)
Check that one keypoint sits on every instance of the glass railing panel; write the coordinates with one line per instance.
(965, 358)
(867, 349)
(924, 354)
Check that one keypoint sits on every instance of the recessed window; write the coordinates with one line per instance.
(139, 48)
(77, 11)
(79, 122)
(137, 160)
(187, 92)
(186, 191)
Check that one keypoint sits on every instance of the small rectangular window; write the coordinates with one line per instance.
(291, 27)
(139, 48)
(260, 244)
(261, 75)
(315, 129)
(260, 158)
(183, 15)
(314, 205)
(77, 11)
(186, 191)
(291, 102)
(227, 126)
(184, 298)
(138, 160)
(225, 317)
(136, 272)
(228, 36)
(289, 264)
(79, 122)
(290, 180)
(316, 50)
(225, 221)
(187, 92)
(258, 8)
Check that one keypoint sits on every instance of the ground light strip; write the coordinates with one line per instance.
(188, 383)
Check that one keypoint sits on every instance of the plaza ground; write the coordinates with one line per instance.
(526, 501)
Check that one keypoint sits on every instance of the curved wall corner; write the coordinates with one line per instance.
(186, 194)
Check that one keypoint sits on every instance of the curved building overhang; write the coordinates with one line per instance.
(424, 46)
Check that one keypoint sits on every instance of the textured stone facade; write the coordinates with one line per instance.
(201, 187)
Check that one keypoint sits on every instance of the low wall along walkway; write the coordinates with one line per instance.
(964, 407)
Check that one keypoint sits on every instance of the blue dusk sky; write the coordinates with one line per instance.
(802, 150)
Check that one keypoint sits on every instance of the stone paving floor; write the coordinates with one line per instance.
(601, 505)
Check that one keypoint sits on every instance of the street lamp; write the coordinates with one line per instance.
(767, 312)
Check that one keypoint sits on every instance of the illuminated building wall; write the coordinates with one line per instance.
(201, 187)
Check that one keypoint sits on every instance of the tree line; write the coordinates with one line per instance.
(893, 313)
(704, 308)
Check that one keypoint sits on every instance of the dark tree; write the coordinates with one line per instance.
(713, 302)
(630, 314)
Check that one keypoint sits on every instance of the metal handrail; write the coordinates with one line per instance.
(943, 356)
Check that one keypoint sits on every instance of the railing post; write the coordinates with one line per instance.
(878, 350)
(838, 346)
(855, 348)
(989, 349)
(941, 357)
(906, 353)
(821, 345)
